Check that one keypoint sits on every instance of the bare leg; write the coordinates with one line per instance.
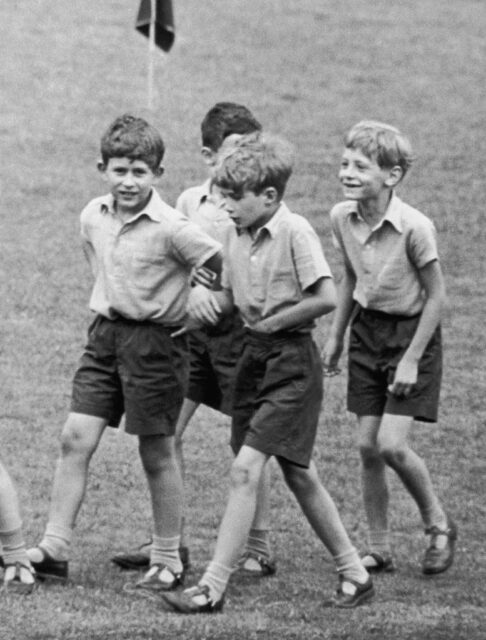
(411, 469)
(373, 474)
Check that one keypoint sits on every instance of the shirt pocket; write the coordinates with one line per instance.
(146, 272)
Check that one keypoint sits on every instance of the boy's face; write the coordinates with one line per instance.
(249, 210)
(362, 178)
(130, 182)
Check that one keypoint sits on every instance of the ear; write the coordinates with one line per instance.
(101, 166)
(209, 156)
(394, 176)
(271, 196)
(159, 172)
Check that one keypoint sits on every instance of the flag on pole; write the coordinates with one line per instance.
(163, 24)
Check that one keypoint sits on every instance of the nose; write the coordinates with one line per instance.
(128, 180)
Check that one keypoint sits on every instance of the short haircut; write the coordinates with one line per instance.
(226, 119)
(255, 162)
(381, 142)
(134, 138)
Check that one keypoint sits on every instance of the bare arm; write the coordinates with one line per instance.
(433, 283)
(318, 300)
(335, 343)
(90, 255)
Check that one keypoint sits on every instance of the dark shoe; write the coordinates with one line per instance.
(140, 559)
(19, 578)
(361, 594)
(160, 578)
(375, 562)
(255, 565)
(193, 600)
(50, 569)
(439, 560)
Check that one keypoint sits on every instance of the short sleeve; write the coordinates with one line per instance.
(193, 246)
(422, 243)
(308, 256)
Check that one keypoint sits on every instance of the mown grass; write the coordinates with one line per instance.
(309, 70)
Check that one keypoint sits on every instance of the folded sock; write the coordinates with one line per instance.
(56, 542)
(379, 541)
(13, 547)
(258, 543)
(165, 551)
(348, 564)
(216, 577)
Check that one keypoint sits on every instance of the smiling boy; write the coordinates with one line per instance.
(392, 294)
(141, 252)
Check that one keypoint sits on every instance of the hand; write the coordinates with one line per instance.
(405, 378)
(204, 277)
(202, 306)
(264, 326)
(188, 326)
(330, 357)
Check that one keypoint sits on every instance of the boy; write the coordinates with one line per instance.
(276, 274)
(141, 252)
(19, 576)
(392, 293)
(214, 350)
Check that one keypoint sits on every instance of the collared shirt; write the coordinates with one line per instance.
(270, 271)
(142, 265)
(386, 259)
(201, 207)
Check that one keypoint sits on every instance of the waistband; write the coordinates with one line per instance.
(278, 336)
(118, 319)
(382, 315)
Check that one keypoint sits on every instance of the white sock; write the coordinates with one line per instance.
(165, 551)
(56, 541)
(216, 577)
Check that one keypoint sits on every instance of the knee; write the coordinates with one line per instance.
(157, 454)
(241, 477)
(370, 455)
(74, 441)
(393, 454)
(298, 479)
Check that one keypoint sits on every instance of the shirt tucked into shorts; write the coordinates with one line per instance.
(134, 368)
(376, 345)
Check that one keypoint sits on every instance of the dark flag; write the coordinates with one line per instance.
(164, 22)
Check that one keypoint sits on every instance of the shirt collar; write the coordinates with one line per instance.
(273, 224)
(392, 214)
(151, 210)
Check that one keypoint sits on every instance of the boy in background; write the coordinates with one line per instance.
(214, 350)
(392, 294)
(141, 252)
(276, 275)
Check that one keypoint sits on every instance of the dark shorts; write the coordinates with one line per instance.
(134, 368)
(278, 396)
(213, 354)
(377, 343)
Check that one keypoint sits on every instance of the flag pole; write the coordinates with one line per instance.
(151, 58)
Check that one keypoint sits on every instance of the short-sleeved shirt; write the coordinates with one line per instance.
(201, 207)
(142, 265)
(387, 258)
(269, 271)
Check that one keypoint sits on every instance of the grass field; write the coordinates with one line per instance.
(309, 70)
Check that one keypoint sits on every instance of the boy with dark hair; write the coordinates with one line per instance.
(141, 252)
(275, 273)
(214, 350)
(392, 293)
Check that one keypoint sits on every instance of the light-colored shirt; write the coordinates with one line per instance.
(142, 265)
(202, 208)
(386, 259)
(270, 271)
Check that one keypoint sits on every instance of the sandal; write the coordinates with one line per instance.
(375, 562)
(19, 578)
(253, 564)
